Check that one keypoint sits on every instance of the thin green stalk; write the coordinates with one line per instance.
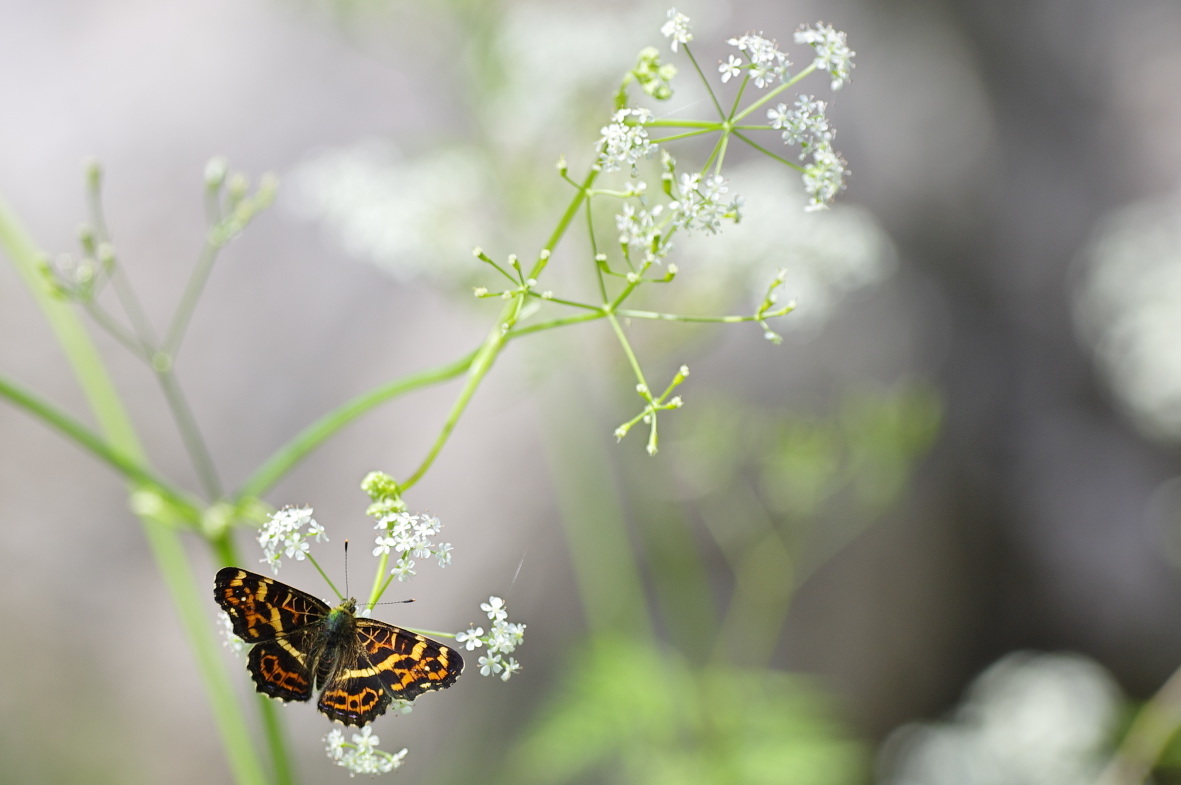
(480, 365)
(713, 98)
(627, 349)
(769, 96)
(327, 426)
(189, 297)
(190, 434)
(191, 602)
(122, 462)
(1154, 725)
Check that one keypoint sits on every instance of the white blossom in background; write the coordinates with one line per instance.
(411, 217)
(1129, 309)
(1030, 719)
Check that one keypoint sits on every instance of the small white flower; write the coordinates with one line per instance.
(404, 569)
(366, 741)
(443, 554)
(495, 609)
(731, 68)
(334, 741)
(471, 638)
(511, 666)
(677, 28)
(490, 665)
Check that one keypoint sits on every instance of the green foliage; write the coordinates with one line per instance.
(630, 712)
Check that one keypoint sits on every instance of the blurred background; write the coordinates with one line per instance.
(932, 538)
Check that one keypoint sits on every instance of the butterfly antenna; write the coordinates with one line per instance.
(346, 569)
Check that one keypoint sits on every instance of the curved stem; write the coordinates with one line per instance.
(119, 460)
(324, 428)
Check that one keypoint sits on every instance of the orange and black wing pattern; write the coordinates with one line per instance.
(262, 609)
(300, 644)
(388, 662)
(283, 621)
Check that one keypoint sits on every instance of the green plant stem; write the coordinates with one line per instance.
(327, 426)
(122, 462)
(194, 442)
(478, 368)
(191, 294)
(191, 602)
(1154, 725)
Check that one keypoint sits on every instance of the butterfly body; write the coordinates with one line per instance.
(300, 644)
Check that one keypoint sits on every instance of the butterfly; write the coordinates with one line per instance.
(300, 644)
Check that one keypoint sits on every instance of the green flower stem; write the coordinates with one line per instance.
(697, 67)
(122, 462)
(167, 549)
(677, 317)
(190, 296)
(768, 153)
(480, 365)
(276, 740)
(591, 515)
(324, 575)
(1151, 730)
(766, 98)
(324, 428)
(617, 328)
(498, 336)
(379, 579)
(186, 422)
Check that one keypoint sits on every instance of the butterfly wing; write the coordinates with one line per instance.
(388, 662)
(407, 663)
(281, 620)
(279, 669)
(262, 609)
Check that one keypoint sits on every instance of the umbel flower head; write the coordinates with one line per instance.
(361, 756)
(288, 533)
(502, 639)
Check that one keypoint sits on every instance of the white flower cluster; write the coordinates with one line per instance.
(701, 203)
(502, 639)
(362, 755)
(625, 143)
(803, 124)
(640, 232)
(410, 537)
(283, 535)
(824, 178)
(232, 641)
(832, 51)
(677, 29)
(764, 62)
